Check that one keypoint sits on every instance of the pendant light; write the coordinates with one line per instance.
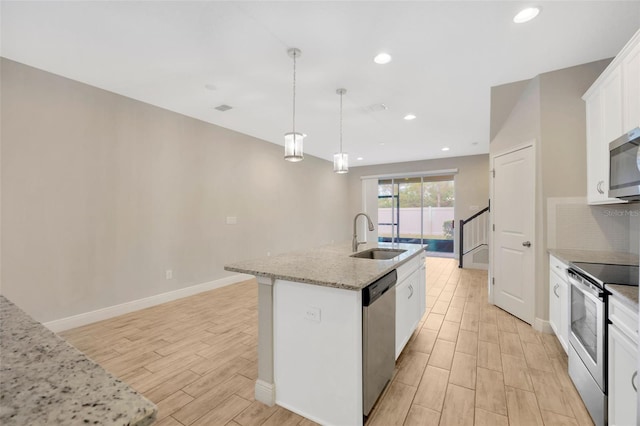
(293, 140)
(341, 159)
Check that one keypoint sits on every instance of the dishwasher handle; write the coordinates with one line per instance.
(376, 289)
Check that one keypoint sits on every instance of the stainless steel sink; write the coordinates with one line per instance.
(378, 254)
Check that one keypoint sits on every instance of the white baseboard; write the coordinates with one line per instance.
(542, 326)
(135, 305)
(265, 392)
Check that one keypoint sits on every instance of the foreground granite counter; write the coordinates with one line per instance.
(46, 381)
(330, 266)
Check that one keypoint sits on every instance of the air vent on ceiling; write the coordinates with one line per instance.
(377, 108)
(223, 107)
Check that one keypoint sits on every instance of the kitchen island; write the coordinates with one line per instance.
(310, 324)
(46, 381)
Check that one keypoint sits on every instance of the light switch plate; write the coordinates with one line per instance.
(232, 220)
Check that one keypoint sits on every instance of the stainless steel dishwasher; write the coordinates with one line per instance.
(378, 338)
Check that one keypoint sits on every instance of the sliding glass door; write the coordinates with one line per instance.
(417, 210)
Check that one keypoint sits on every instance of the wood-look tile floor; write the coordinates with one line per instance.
(468, 363)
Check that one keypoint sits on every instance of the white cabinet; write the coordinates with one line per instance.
(604, 124)
(623, 364)
(559, 300)
(410, 300)
(631, 84)
(613, 108)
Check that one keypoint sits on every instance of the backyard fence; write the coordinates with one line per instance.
(433, 220)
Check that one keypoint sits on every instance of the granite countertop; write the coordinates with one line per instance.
(329, 266)
(625, 292)
(46, 381)
(594, 256)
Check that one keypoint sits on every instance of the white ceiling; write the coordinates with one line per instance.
(446, 56)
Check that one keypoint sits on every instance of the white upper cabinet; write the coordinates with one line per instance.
(613, 108)
(611, 94)
(631, 84)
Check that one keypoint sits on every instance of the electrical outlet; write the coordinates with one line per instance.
(312, 314)
(168, 274)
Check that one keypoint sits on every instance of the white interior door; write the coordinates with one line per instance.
(514, 219)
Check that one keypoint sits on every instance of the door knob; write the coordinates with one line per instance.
(527, 244)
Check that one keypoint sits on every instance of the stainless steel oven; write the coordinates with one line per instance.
(588, 333)
(587, 338)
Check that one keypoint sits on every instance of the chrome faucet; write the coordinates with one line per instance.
(355, 243)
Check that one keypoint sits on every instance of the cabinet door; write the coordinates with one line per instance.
(402, 315)
(414, 301)
(594, 145)
(611, 108)
(631, 89)
(408, 308)
(564, 290)
(554, 303)
(623, 379)
(559, 308)
(604, 124)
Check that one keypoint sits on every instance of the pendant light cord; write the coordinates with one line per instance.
(294, 95)
(341, 123)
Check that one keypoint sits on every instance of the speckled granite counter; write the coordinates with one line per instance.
(594, 256)
(329, 266)
(46, 381)
(627, 293)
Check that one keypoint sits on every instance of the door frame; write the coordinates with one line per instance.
(528, 144)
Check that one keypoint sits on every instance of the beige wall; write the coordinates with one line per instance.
(471, 182)
(102, 194)
(503, 100)
(551, 111)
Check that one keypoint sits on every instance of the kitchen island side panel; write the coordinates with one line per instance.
(318, 352)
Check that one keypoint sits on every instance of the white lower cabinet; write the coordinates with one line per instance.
(623, 369)
(410, 301)
(559, 301)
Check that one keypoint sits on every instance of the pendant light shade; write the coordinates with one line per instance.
(341, 159)
(341, 162)
(293, 140)
(293, 149)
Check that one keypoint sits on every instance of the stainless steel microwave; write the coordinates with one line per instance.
(624, 166)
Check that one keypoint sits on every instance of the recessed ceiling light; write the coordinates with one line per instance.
(474, 143)
(409, 117)
(359, 158)
(223, 107)
(525, 15)
(382, 58)
(446, 148)
(210, 86)
(381, 144)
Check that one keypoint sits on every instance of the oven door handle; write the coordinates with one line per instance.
(596, 296)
